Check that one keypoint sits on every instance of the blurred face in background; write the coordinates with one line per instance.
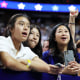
(45, 45)
(33, 38)
(78, 46)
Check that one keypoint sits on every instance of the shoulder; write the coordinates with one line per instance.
(2, 38)
(4, 44)
(27, 49)
(46, 54)
(29, 52)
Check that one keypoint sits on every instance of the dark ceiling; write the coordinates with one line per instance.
(51, 1)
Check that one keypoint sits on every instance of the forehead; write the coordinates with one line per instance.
(35, 30)
(62, 27)
(21, 18)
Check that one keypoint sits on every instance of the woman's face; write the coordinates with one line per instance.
(33, 38)
(62, 36)
(21, 30)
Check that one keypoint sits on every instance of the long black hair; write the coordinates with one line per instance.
(38, 48)
(57, 54)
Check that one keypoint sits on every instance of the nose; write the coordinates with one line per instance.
(34, 37)
(25, 27)
(63, 33)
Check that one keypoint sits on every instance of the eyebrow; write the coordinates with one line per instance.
(23, 22)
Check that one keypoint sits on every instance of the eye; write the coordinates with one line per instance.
(59, 31)
(28, 26)
(66, 31)
(37, 35)
(21, 24)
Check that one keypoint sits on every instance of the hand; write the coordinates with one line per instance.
(55, 69)
(74, 13)
(74, 64)
(70, 69)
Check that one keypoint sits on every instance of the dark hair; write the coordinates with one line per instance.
(38, 48)
(78, 45)
(12, 21)
(53, 45)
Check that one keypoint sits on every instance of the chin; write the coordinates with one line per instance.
(32, 47)
(24, 40)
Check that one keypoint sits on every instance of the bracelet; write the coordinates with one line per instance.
(71, 23)
(29, 63)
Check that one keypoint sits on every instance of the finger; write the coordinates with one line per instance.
(53, 66)
(76, 68)
(72, 62)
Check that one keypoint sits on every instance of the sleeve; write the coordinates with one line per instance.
(3, 44)
(30, 53)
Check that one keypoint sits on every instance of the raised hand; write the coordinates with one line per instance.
(74, 13)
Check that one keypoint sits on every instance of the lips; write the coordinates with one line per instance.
(63, 38)
(24, 33)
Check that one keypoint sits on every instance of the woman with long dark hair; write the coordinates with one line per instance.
(34, 40)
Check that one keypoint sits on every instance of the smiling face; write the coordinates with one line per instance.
(21, 29)
(33, 38)
(62, 36)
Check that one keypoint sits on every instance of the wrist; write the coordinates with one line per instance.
(28, 63)
(71, 23)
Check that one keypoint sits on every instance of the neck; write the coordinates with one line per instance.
(62, 48)
(16, 43)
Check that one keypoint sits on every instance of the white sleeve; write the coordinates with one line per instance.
(3, 44)
(31, 54)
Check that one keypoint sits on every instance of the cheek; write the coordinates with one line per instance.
(56, 37)
(37, 40)
(30, 37)
(17, 30)
(69, 38)
(28, 31)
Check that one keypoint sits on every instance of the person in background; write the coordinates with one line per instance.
(45, 45)
(13, 55)
(78, 49)
(45, 48)
(34, 40)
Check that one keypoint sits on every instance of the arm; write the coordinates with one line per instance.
(72, 17)
(40, 66)
(12, 63)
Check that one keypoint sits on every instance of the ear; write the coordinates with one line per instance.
(11, 30)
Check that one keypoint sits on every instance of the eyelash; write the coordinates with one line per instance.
(61, 31)
(23, 24)
(36, 35)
